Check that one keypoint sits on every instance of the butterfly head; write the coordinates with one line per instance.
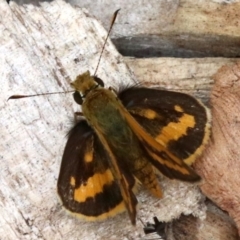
(83, 84)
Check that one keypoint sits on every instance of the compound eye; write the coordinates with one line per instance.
(99, 81)
(77, 98)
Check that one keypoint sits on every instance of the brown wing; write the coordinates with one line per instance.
(178, 121)
(86, 184)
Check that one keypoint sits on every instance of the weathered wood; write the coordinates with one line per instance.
(175, 28)
(213, 227)
(179, 28)
(42, 49)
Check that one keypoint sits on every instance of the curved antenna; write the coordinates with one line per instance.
(112, 22)
(35, 95)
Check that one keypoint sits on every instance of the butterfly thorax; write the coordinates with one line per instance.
(102, 108)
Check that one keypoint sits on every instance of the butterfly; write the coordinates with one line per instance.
(124, 139)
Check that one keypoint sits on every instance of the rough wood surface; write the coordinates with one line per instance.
(42, 48)
(216, 226)
(190, 28)
(173, 16)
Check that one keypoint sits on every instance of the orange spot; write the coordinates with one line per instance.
(178, 108)
(88, 157)
(149, 114)
(93, 186)
(175, 130)
(72, 181)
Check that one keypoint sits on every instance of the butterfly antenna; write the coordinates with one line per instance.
(112, 23)
(35, 95)
(42, 94)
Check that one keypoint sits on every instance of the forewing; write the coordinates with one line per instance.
(86, 184)
(122, 174)
(177, 121)
(167, 163)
